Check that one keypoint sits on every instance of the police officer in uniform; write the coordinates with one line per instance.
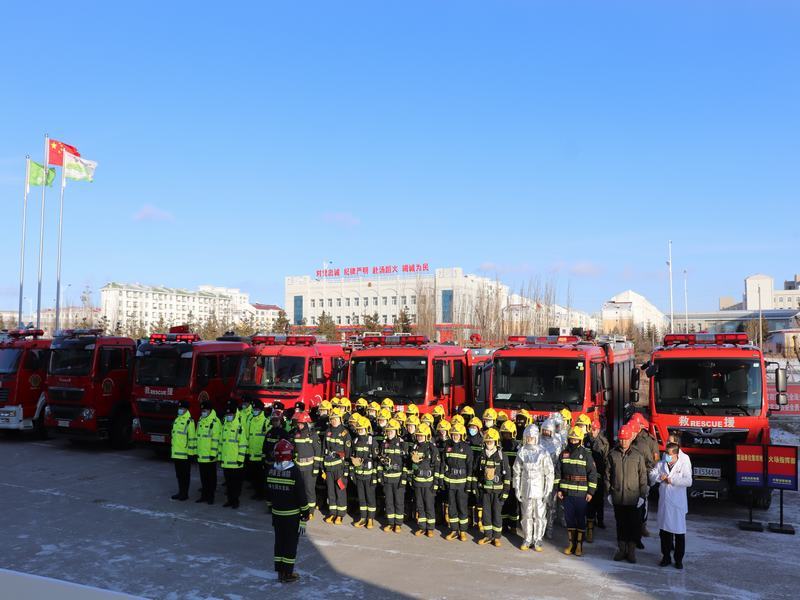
(287, 495)
(257, 426)
(209, 431)
(183, 447)
(232, 454)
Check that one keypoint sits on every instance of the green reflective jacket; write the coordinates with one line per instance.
(184, 440)
(209, 430)
(233, 446)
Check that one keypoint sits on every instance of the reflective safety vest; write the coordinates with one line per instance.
(234, 444)
(575, 473)
(209, 430)
(245, 415)
(184, 440)
(256, 432)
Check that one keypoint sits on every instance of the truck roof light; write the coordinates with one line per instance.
(163, 338)
(543, 339)
(22, 333)
(398, 339)
(284, 340)
(78, 332)
(672, 339)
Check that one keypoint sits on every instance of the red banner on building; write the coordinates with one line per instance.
(405, 269)
(782, 467)
(750, 466)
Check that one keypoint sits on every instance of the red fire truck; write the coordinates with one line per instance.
(23, 370)
(292, 368)
(411, 370)
(544, 374)
(171, 367)
(89, 385)
(710, 390)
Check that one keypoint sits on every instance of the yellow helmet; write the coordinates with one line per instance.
(345, 403)
(502, 417)
(576, 433)
(491, 434)
(476, 422)
(567, 414)
(425, 430)
(438, 410)
(509, 427)
(490, 413)
(325, 405)
(387, 403)
(385, 413)
(427, 418)
(374, 406)
(528, 417)
(459, 429)
(336, 412)
(362, 402)
(354, 419)
(413, 420)
(412, 409)
(364, 423)
(393, 425)
(444, 425)
(584, 420)
(467, 411)
(456, 420)
(335, 401)
(400, 416)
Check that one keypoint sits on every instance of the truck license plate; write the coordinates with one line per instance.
(157, 438)
(5, 420)
(709, 472)
(63, 423)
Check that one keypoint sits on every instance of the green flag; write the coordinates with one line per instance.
(36, 175)
(78, 168)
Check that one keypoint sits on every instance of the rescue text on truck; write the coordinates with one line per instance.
(544, 374)
(177, 366)
(89, 385)
(292, 369)
(23, 370)
(709, 390)
(410, 370)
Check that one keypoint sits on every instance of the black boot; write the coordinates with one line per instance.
(665, 560)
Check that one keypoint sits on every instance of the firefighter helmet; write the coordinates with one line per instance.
(438, 410)
(374, 406)
(639, 420)
(387, 403)
(385, 413)
(490, 413)
(362, 403)
(491, 434)
(567, 415)
(392, 425)
(509, 427)
(459, 429)
(344, 402)
(400, 416)
(335, 401)
(625, 432)
(425, 430)
(412, 409)
(427, 418)
(467, 411)
(502, 417)
(456, 420)
(325, 405)
(584, 420)
(301, 417)
(576, 433)
(444, 425)
(283, 451)
(476, 422)
(413, 420)
(336, 412)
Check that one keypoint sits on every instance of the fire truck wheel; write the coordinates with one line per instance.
(39, 430)
(121, 434)
(762, 499)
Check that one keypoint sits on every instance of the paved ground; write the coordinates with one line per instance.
(104, 519)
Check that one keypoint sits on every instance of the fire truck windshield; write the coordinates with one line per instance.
(272, 372)
(9, 360)
(708, 387)
(163, 367)
(72, 357)
(403, 379)
(538, 383)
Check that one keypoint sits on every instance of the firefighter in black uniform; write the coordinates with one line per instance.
(456, 475)
(576, 481)
(393, 474)
(363, 455)
(275, 433)
(494, 484)
(287, 494)
(424, 471)
(475, 441)
(335, 463)
(308, 456)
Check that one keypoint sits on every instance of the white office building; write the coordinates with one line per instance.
(760, 294)
(629, 309)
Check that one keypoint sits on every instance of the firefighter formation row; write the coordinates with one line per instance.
(489, 472)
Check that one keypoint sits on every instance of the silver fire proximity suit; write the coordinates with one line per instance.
(533, 485)
(553, 446)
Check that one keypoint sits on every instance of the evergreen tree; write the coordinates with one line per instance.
(372, 322)
(281, 324)
(327, 327)
(402, 323)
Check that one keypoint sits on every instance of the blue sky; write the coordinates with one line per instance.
(240, 143)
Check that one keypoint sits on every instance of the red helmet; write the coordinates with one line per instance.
(284, 450)
(638, 419)
(301, 417)
(625, 432)
(596, 424)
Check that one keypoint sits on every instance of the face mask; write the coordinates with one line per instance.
(181, 411)
(256, 412)
(283, 465)
(229, 417)
(473, 431)
(204, 413)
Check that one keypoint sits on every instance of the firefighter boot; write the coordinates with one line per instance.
(572, 534)
(462, 537)
(622, 550)
(398, 529)
(496, 542)
(480, 520)
(524, 547)
(370, 524)
(630, 554)
(330, 519)
(360, 523)
(338, 521)
(589, 530)
(579, 543)
(451, 536)
(388, 528)
(445, 509)
(484, 540)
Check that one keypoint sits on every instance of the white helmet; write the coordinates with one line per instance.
(558, 421)
(531, 432)
(549, 425)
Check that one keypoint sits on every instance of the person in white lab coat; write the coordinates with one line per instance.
(674, 473)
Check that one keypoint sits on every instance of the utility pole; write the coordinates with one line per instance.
(671, 303)
(686, 298)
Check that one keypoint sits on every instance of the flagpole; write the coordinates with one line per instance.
(24, 228)
(671, 305)
(41, 234)
(58, 261)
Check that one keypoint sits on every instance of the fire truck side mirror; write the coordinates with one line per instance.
(317, 372)
(445, 378)
(339, 370)
(606, 377)
(634, 379)
(780, 380)
(781, 399)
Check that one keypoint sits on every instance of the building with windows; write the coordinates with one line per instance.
(760, 293)
(128, 303)
(629, 309)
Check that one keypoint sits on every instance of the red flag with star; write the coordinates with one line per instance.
(56, 153)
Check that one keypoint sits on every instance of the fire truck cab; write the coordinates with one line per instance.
(544, 374)
(23, 371)
(291, 369)
(172, 367)
(709, 389)
(410, 370)
(89, 385)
